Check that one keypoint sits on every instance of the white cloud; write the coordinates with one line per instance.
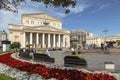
(103, 6)
(78, 8)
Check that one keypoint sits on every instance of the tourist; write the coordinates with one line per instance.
(106, 47)
(73, 50)
(47, 52)
(102, 46)
(79, 54)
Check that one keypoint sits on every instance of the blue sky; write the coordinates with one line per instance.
(90, 15)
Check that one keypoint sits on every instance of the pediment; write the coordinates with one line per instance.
(49, 17)
(43, 16)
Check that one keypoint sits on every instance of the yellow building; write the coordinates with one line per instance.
(39, 30)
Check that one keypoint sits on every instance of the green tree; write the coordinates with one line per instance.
(12, 5)
(118, 42)
(15, 45)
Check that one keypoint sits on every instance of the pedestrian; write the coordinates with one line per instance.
(73, 50)
(47, 52)
(102, 46)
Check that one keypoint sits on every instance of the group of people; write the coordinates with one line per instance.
(104, 46)
(76, 53)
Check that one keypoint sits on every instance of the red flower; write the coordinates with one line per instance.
(47, 73)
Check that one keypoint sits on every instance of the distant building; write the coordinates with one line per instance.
(88, 39)
(78, 38)
(113, 40)
(3, 36)
(95, 40)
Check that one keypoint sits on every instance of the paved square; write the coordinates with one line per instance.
(95, 61)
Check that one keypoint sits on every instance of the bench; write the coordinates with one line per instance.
(43, 57)
(74, 61)
(25, 54)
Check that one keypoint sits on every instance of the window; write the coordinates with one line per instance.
(38, 22)
(54, 24)
(11, 32)
(32, 22)
(57, 24)
(41, 23)
(27, 21)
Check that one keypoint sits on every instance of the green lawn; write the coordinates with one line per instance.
(1, 52)
(4, 77)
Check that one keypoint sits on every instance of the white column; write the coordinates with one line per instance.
(48, 40)
(43, 40)
(54, 41)
(63, 40)
(37, 39)
(31, 39)
(24, 39)
(59, 40)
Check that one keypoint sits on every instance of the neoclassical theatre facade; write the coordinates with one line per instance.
(39, 30)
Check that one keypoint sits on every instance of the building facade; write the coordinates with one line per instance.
(98, 40)
(39, 30)
(78, 38)
(113, 40)
(95, 40)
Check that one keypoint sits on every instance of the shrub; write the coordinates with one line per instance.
(15, 45)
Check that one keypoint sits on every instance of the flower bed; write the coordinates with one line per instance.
(46, 72)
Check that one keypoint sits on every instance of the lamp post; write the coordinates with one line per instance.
(5, 42)
(4, 35)
(105, 31)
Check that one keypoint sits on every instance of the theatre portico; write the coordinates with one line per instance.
(35, 33)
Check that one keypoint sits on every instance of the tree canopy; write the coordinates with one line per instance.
(12, 5)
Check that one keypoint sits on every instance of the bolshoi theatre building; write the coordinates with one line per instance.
(39, 30)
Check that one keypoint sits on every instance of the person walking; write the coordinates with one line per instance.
(73, 50)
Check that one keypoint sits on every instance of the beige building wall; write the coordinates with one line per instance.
(94, 39)
(16, 37)
(67, 36)
(34, 24)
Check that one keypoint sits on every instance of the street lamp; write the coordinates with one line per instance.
(4, 36)
(105, 31)
(5, 42)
